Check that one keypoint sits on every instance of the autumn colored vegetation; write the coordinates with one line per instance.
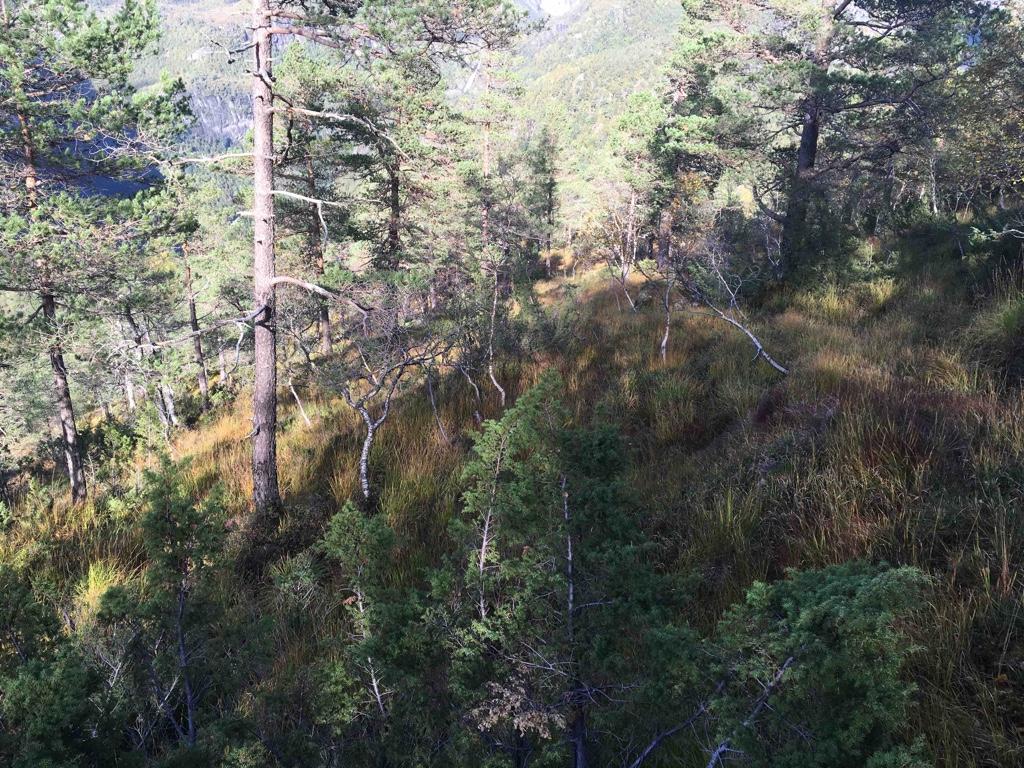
(433, 424)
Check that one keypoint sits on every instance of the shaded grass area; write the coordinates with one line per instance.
(898, 437)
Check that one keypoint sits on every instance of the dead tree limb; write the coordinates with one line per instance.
(761, 352)
(433, 405)
(725, 747)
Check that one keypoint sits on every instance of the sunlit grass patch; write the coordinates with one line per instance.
(946, 370)
(996, 335)
(101, 576)
(832, 304)
(830, 371)
(60, 539)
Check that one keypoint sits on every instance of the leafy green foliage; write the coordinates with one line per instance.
(49, 715)
(843, 699)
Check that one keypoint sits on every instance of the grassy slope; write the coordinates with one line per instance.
(895, 438)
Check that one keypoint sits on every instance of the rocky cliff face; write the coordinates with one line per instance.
(221, 118)
(552, 7)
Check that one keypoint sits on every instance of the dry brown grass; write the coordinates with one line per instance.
(889, 441)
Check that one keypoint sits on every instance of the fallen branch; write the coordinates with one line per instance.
(761, 352)
(670, 732)
(762, 701)
(298, 402)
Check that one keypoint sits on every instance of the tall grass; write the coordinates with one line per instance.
(899, 437)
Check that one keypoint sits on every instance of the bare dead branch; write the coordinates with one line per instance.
(726, 747)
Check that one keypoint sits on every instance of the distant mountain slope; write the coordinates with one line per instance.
(198, 36)
(578, 72)
(551, 7)
(582, 68)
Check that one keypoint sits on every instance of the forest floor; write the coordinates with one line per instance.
(898, 437)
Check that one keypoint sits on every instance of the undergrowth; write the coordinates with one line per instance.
(898, 437)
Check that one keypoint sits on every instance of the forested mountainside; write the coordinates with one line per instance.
(578, 72)
(408, 384)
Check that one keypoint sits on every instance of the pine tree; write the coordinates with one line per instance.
(419, 35)
(71, 126)
(556, 608)
(844, 79)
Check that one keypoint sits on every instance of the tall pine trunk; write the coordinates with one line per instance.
(485, 214)
(266, 494)
(549, 219)
(62, 391)
(577, 734)
(795, 225)
(65, 406)
(394, 241)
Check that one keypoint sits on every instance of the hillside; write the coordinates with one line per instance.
(580, 71)
(640, 390)
(892, 441)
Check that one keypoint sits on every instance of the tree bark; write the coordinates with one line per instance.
(485, 170)
(578, 724)
(394, 241)
(266, 493)
(298, 402)
(191, 699)
(490, 340)
(167, 394)
(364, 463)
(31, 175)
(549, 211)
(129, 392)
(318, 237)
(667, 305)
(197, 343)
(361, 407)
(665, 224)
(476, 393)
(433, 406)
(793, 228)
(164, 394)
(65, 406)
(578, 738)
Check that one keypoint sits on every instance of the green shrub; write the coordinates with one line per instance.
(825, 651)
